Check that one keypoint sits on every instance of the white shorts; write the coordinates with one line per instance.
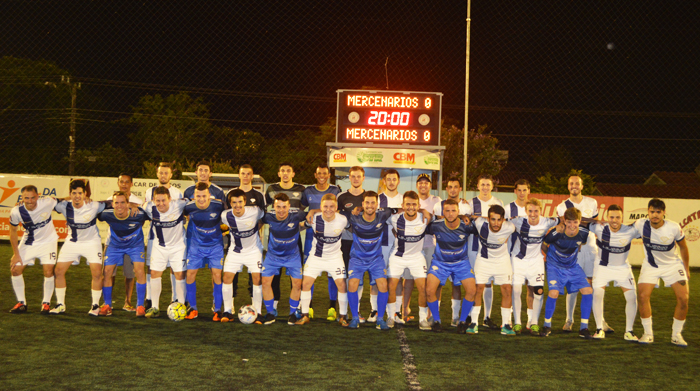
(46, 253)
(669, 273)
(235, 261)
(335, 267)
(498, 270)
(621, 275)
(162, 258)
(587, 261)
(415, 264)
(72, 251)
(530, 270)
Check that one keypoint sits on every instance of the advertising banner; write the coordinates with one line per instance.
(384, 158)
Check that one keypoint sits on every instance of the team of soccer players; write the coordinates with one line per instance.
(402, 240)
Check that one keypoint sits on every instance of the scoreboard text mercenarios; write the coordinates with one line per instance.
(388, 117)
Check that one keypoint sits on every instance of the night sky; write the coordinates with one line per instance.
(616, 83)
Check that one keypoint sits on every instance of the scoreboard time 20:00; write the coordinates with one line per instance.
(388, 117)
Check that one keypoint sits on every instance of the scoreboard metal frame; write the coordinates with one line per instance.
(405, 118)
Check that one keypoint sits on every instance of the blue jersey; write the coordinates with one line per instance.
(284, 234)
(563, 249)
(127, 232)
(367, 235)
(451, 243)
(215, 192)
(204, 228)
(311, 196)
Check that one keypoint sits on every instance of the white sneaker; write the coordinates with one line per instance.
(372, 317)
(599, 334)
(95, 310)
(646, 339)
(629, 336)
(607, 328)
(424, 325)
(679, 341)
(58, 309)
(398, 320)
(455, 322)
(390, 322)
(567, 326)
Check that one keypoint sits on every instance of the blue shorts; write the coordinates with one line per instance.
(272, 266)
(198, 257)
(375, 267)
(459, 271)
(115, 255)
(572, 279)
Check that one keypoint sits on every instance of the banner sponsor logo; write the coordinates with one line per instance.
(404, 158)
(340, 157)
(370, 157)
(432, 160)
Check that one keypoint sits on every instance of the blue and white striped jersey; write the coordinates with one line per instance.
(82, 221)
(614, 247)
(660, 243)
(244, 229)
(493, 245)
(37, 223)
(326, 243)
(528, 243)
(168, 227)
(410, 234)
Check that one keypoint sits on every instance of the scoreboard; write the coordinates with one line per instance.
(388, 117)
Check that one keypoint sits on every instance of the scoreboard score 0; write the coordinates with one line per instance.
(388, 117)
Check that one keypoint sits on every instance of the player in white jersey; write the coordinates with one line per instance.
(390, 198)
(164, 173)
(528, 263)
(493, 264)
(325, 256)
(480, 206)
(82, 241)
(588, 252)
(661, 261)
(38, 242)
(167, 222)
(614, 242)
(453, 188)
(245, 249)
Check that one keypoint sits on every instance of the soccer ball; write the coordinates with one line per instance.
(247, 314)
(177, 311)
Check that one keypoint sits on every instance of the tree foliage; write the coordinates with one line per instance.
(483, 155)
(551, 184)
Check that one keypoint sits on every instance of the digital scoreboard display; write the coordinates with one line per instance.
(388, 117)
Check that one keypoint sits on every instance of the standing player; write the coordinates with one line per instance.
(282, 252)
(614, 242)
(204, 174)
(660, 237)
(84, 241)
(311, 197)
(480, 205)
(168, 248)
(38, 242)
(390, 198)
(205, 245)
(328, 227)
(245, 249)
(528, 263)
(427, 202)
(563, 270)
(125, 241)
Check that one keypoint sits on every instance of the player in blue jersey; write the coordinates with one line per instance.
(311, 198)
(450, 259)
(205, 244)
(126, 239)
(563, 244)
(282, 252)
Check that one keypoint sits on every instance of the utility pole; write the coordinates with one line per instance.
(74, 87)
(466, 99)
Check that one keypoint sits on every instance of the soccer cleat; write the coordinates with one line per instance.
(389, 322)
(535, 330)
(19, 308)
(269, 318)
(58, 309)
(106, 310)
(343, 321)
(217, 316)
(94, 310)
(260, 319)
(382, 325)
(462, 328)
(311, 313)
(398, 319)
(192, 314)
(507, 330)
(679, 341)
(585, 333)
(331, 317)
(646, 339)
(227, 317)
(45, 308)
(472, 329)
(567, 326)
(424, 325)
(599, 334)
(361, 318)
(152, 312)
(292, 319)
(546, 331)
(490, 324)
(140, 311)
(629, 336)
(372, 317)
(455, 322)
(304, 320)
(607, 328)
(436, 327)
(147, 304)
(518, 328)
(354, 323)
(128, 307)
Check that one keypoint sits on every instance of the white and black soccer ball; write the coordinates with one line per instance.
(177, 311)
(247, 314)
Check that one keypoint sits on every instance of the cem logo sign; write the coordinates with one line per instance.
(340, 157)
(404, 158)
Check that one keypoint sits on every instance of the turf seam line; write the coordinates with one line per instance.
(409, 362)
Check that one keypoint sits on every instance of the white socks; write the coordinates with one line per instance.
(227, 293)
(148, 286)
(536, 309)
(505, 315)
(677, 327)
(488, 302)
(598, 295)
(517, 302)
(390, 310)
(476, 312)
(180, 291)
(18, 286)
(257, 298)
(156, 287)
(96, 297)
(571, 306)
(343, 303)
(359, 296)
(630, 309)
(48, 289)
(373, 302)
(174, 287)
(456, 307)
(305, 300)
(646, 323)
(423, 313)
(61, 296)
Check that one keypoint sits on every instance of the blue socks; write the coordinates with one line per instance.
(332, 289)
(434, 310)
(586, 305)
(549, 311)
(192, 295)
(140, 294)
(466, 310)
(107, 292)
(269, 306)
(382, 300)
(218, 297)
(353, 301)
(293, 305)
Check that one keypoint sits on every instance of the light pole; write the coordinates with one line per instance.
(73, 87)
(466, 100)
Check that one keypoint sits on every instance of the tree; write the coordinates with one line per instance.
(550, 184)
(483, 155)
(556, 161)
(103, 161)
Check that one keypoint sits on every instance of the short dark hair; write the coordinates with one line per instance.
(323, 165)
(120, 193)
(614, 207)
(522, 182)
(131, 178)
(29, 188)
(245, 166)
(161, 190)
(76, 183)
(286, 164)
(453, 179)
(450, 201)
(200, 186)
(487, 177)
(281, 197)
(370, 194)
(165, 165)
(392, 171)
(203, 163)
(497, 209)
(572, 214)
(236, 193)
(411, 194)
(657, 204)
(357, 168)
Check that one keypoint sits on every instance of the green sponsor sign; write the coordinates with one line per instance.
(432, 160)
(370, 157)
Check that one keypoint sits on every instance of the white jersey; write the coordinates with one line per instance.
(429, 204)
(326, 243)
(82, 221)
(493, 245)
(660, 243)
(464, 208)
(514, 210)
(389, 202)
(168, 227)
(244, 229)
(614, 247)
(410, 234)
(589, 208)
(175, 193)
(528, 245)
(480, 208)
(38, 226)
